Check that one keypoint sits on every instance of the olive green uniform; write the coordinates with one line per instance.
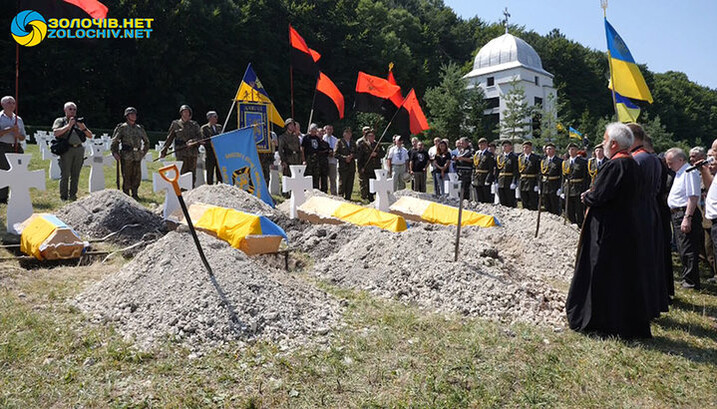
(550, 181)
(71, 161)
(529, 168)
(212, 168)
(507, 165)
(576, 182)
(483, 175)
(367, 165)
(347, 170)
(181, 133)
(289, 151)
(132, 144)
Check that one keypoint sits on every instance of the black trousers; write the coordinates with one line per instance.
(551, 201)
(689, 244)
(507, 196)
(212, 168)
(529, 199)
(576, 213)
(483, 194)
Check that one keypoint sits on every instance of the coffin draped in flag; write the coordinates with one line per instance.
(373, 92)
(251, 90)
(410, 119)
(303, 58)
(625, 72)
(66, 8)
(239, 162)
(329, 99)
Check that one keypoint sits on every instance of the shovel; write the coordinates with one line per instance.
(171, 175)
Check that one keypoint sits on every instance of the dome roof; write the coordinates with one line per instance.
(507, 49)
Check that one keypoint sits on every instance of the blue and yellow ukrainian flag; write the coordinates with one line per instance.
(574, 133)
(251, 90)
(627, 111)
(625, 72)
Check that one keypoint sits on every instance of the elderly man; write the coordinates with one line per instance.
(605, 294)
(129, 145)
(73, 132)
(431, 157)
(186, 134)
(683, 201)
(396, 160)
(12, 131)
(211, 128)
(333, 162)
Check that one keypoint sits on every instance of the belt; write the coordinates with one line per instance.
(481, 171)
(678, 209)
(528, 175)
(75, 145)
(505, 174)
(553, 177)
(576, 180)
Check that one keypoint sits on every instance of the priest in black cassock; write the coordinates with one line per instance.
(606, 295)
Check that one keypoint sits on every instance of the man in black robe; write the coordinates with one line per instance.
(606, 295)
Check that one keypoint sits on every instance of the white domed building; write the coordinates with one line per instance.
(498, 63)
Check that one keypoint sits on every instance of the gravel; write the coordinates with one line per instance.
(107, 211)
(165, 292)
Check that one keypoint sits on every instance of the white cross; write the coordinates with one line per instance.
(97, 162)
(171, 202)
(54, 171)
(143, 165)
(296, 184)
(382, 187)
(274, 177)
(453, 186)
(20, 180)
(159, 146)
(201, 178)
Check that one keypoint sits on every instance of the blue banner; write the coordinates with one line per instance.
(239, 162)
(255, 114)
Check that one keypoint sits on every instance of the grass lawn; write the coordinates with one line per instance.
(387, 355)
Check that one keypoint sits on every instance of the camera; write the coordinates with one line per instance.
(80, 119)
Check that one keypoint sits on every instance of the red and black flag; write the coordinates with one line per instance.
(372, 92)
(328, 99)
(409, 118)
(66, 8)
(303, 58)
(397, 97)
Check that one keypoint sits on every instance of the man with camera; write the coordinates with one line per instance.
(70, 132)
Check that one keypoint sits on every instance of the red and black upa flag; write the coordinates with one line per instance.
(66, 8)
(328, 99)
(410, 119)
(372, 92)
(397, 97)
(303, 58)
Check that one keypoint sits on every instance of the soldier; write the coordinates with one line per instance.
(575, 172)
(596, 162)
(464, 165)
(507, 165)
(483, 173)
(314, 154)
(185, 133)
(135, 145)
(369, 159)
(529, 168)
(345, 153)
(289, 146)
(208, 130)
(551, 171)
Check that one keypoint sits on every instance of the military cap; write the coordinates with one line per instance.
(482, 140)
(598, 146)
(183, 107)
(549, 144)
(130, 110)
(527, 143)
(491, 143)
(211, 114)
(507, 142)
(572, 145)
(365, 129)
(289, 121)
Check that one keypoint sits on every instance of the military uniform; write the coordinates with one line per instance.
(316, 155)
(593, 167)
(347, 170)
(507, 165)
(367, 165)
(529, 169)
(550, 181)
(575, 174)
(483, 175)
(289, 151)
(211, 165)
(181, 133)
(132, 144)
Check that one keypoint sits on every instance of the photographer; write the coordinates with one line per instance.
(70, 132)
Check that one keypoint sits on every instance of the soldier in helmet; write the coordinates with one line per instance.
(134, 145)
(186, 134)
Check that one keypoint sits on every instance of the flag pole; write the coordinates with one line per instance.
(313, 100)
(603, 4)
(17, 82)
(390, 122)
(291, 80)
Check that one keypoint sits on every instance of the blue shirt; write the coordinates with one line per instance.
(7, 122)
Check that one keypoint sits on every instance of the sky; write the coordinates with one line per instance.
(664, 35)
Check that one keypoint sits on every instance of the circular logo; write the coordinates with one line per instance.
(28, 28)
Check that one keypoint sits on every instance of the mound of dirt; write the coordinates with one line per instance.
(167, 292)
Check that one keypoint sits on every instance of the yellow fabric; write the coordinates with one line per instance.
(34, 235)
(627, 115)
(363, 216)
(248, 94)
(230, 225)
(629, 81)
(448, 215)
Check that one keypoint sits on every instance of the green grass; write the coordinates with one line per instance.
(387, 355)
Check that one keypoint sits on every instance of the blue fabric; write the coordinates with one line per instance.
(618, 49)
(270, 228)
(253, 81)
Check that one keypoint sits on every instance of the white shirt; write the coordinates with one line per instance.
(7, 122)
(431, 155)
(332, 141)
(685, 185)
(398, 156)
(711, 201)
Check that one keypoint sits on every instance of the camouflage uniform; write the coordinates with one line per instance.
(135, 145)
(181, 133)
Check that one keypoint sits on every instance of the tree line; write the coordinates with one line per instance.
(199, 49)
